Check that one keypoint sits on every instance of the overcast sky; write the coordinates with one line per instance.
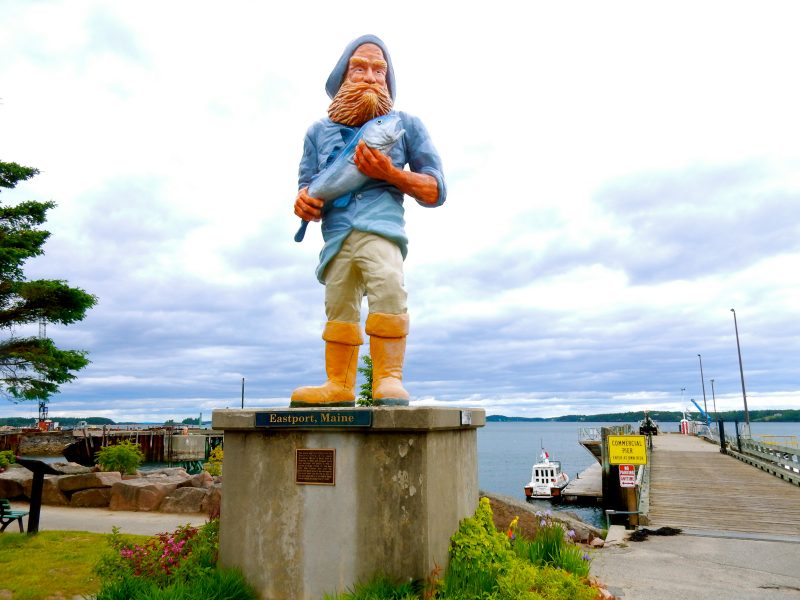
(620, 175)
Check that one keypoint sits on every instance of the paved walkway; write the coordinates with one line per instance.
(741, 531)
(101, 520)
(699, 567)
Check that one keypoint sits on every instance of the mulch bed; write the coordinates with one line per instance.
(504, 514)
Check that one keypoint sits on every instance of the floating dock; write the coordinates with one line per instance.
(586, 488)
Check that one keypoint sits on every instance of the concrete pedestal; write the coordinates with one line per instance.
(402, 484)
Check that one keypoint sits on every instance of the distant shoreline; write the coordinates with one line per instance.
(661, 416)
(756, 416)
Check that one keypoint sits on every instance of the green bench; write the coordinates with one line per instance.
(8, 516)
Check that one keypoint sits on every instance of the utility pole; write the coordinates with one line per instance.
(714, 398)
(741, 372)
(703, 383)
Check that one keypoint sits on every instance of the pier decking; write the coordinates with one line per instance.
(694, 486)
(588, 486)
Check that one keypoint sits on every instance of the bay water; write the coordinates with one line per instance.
(508, 450)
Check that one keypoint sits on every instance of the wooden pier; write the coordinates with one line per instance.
(160, 445)
(694, 486)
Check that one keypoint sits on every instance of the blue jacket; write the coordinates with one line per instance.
(378, 206)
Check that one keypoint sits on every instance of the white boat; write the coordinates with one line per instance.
(547, 479)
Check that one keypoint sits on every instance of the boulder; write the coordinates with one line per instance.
(184, 500)
(91, 498)
(143, 494)
(211, 504)
(12, 482)
(201, 480)
(70, 468)
(167, 471)
(51, 494)
(73, 483)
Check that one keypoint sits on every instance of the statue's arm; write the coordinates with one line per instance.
(425, 181)
(306, 207)
(374, 163)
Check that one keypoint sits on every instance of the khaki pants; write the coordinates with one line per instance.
(366, 263)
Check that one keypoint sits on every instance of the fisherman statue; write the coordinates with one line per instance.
(352, 177)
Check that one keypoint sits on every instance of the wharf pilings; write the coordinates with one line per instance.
(159, 445)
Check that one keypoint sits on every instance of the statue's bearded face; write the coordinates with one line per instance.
(364, 94)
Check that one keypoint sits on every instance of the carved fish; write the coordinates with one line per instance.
(342, 177)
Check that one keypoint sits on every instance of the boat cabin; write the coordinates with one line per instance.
(546, 474)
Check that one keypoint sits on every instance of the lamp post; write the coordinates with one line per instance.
(714, 398)
(741, 372)
(703, 383)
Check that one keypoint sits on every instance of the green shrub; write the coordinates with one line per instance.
(478, 554)
(214, 464)
(6, 458)
(554, 584)
(218, 584)
(478, 543)
(124, 457)
(186, 553)
(380, 588)
(554, 547)
(488, 565)
(170, 566)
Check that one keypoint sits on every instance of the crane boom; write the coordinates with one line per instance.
(702, 412)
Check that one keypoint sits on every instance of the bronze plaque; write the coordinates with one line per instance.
(315, 466)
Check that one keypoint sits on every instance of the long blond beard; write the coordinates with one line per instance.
(357, 103)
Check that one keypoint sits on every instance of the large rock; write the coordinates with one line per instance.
(201, 480)
(51, 493)
(91, 498)
(166, 471)
(212, 501)
(70, 468)
(184, 500)
(12, 482)
(143, 494)
(73, 483)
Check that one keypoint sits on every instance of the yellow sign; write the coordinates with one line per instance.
(627, 450)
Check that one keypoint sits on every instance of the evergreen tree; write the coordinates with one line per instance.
(32, 368)
(365, 391)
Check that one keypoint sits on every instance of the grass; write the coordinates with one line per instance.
(52, 563)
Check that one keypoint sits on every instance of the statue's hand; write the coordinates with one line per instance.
(374, 163)
(306, 207)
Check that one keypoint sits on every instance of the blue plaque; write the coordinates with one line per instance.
(302, 419)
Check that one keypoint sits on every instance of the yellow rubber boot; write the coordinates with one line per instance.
(341, 361)
(387, 346)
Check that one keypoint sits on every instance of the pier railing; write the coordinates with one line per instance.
(777, 459)
(789, 441)
(593, 434)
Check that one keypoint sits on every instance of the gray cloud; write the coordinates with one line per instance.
(700, 222)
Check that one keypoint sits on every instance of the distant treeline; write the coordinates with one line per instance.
(662, 415)
(63, 421)
(72, 421)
